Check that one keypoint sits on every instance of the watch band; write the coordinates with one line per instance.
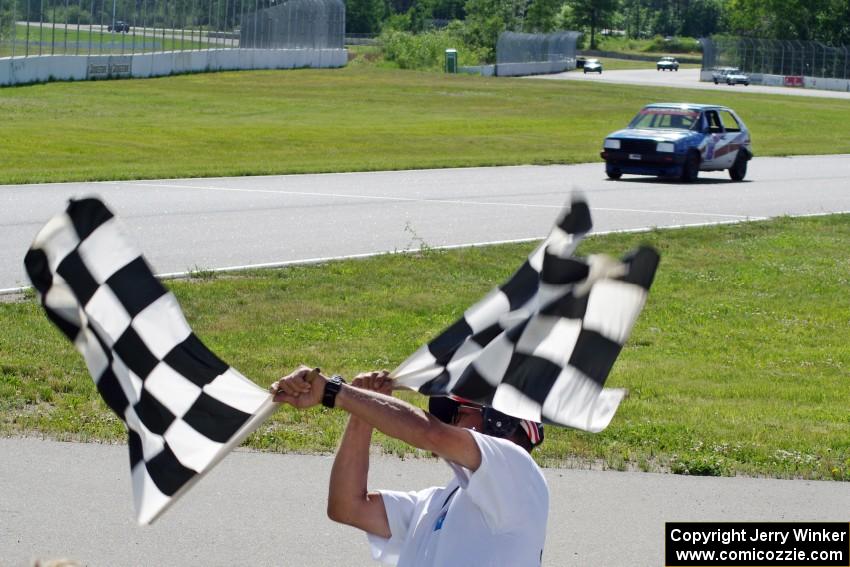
(332, 388)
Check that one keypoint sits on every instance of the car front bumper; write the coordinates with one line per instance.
(644, 164)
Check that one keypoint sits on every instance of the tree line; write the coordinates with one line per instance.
(826, 21)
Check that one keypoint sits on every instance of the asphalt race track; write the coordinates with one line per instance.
(683, 79)
(191, 224)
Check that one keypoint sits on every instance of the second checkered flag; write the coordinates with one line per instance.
(541, 346)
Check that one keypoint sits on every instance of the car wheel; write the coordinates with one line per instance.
(690, 170)
(613, 172)
(739, 169)
(715, 82)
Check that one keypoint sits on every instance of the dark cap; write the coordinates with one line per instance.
(496, 423)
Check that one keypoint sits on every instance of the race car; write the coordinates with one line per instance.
(119, 27)
(679, 140)
(730, 76)
(667, 64)
(592, 66)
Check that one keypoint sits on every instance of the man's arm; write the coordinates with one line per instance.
(349, 501)
(396, 418)
(412, 425)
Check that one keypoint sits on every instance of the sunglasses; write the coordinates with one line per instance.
(466, 409)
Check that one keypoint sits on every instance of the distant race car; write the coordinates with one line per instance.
(119, 27)
(679, 140)
(730, 76)
(667, 64)
(592, 66)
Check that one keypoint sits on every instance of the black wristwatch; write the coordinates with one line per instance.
(332, 388)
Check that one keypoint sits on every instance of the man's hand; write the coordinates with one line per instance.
(376, 381)
(301, 389)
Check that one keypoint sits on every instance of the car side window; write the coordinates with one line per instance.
(730, 123)
(714, 124)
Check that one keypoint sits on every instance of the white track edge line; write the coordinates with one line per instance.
(310, 261)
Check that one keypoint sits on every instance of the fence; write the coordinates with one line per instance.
(789, 58)
(125, 27)
(316, 24)
(529, 53)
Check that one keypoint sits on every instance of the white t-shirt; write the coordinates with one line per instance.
(493, 517)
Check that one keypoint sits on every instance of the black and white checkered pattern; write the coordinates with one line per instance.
(183, 407)
(541, 346)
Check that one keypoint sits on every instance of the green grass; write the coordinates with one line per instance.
(680, 46)
(738, 364)
(352, 119)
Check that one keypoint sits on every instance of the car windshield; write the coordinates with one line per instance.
(591, 61)
(665, 119)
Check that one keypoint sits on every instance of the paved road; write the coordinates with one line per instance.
(74, 500)
(225, 222)
(684, 78)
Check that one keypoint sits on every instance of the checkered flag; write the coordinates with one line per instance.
(541, 346)
(183, 407)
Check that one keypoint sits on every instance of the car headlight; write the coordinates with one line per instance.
(665, 147)
(612, 144)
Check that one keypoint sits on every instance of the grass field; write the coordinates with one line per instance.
(738, 365)
(359, 118)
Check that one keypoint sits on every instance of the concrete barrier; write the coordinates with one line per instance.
(534, 68)
(828, 84)
(37, 69)
(483, 70)
(794, 82)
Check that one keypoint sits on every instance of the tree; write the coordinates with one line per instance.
(833, 23)
(635, 17)
(541, 16)
(773, 19)
(486, 19)
(700, 19)
(593, 15)
(364, 16)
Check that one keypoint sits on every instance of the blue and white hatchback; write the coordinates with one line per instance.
(679, 140)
